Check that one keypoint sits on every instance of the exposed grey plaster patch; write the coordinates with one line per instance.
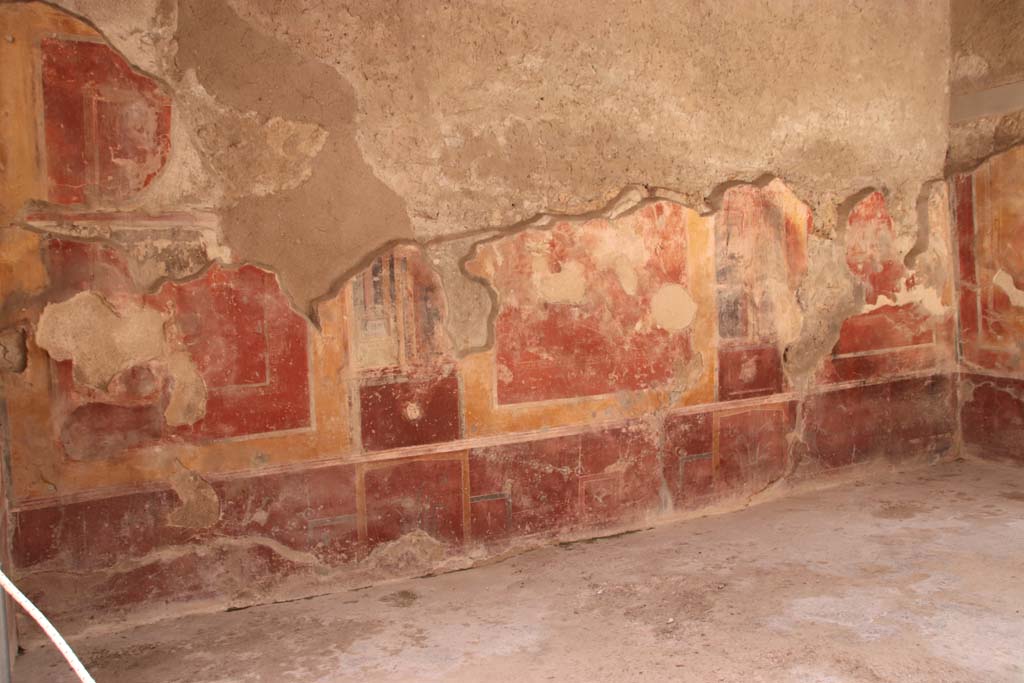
(308, 233)
(200, 505)
(97, 339)
(986, 44)
(971, 143)
(416, 551)
(931, 257)
(141, 30)
(828, 295)
(13, 356)
(251, 156)
(924, 221)
(187, 402)
(102, 341)
(672, 307)
(469, 300)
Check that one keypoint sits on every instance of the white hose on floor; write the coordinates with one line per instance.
(47, 627)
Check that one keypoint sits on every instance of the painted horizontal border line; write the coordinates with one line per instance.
(471, 443)
(885, 352)
(966, 370)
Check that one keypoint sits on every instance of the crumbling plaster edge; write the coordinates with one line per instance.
(629, 199)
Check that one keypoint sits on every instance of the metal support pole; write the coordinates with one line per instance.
(7, 648)
(6, 668)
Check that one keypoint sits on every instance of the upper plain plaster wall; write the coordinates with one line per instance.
(987, 47)
(987, 52)
(323, 129)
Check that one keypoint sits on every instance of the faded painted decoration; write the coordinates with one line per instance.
(990, 238)
(172, 412)
(906, 321)
(596, 308)
(107, 128)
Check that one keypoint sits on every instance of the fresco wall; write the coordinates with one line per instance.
(990, 241)
(179, 431)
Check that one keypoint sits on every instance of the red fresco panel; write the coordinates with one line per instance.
(926, 411)
(98, 533)
(310, 510)
(871, 252)
(601, 498)
(597, 478)
(236, 304)
(101, 430)
(619, 469)
(888, 327)
(247, 343)
(36, 535)
(750, 371)
(539, 479)
(753, 446)
(964, 188)
(998, 360)
(601, 339)
(688, 458)
(993, 415)
(408, 413)
(107, 128)
(180, 578)
(74, 266)
(405, 496)
(567, 355)
(250, 347)
(491, 516)
(243, 572)
(1001, 317)
(893, 362)
(873, 344)
(895, 420)
(847, 426)
(969, 314)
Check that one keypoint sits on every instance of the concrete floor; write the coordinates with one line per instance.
(917, 576)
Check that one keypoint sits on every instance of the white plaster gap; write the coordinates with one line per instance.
(927, 298)
(1004, 281)
(567, 286)
(672, 307)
